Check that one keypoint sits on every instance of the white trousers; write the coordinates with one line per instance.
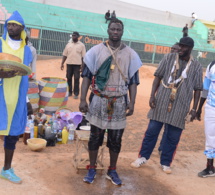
(209, 127)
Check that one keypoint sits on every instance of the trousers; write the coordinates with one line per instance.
(169, 146)
(73, 70)
(10, 142)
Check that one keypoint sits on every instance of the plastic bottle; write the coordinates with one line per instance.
(27, 133)
(53, 117)
(26, 136)
(35, 131)
(59, 137)
(27, 128)
(65, 136)
(55, 127)
(48, 130)
(31, 127)
(40, 129)
(50, 122)
(71, 132)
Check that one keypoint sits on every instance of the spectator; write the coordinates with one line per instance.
(175, 48)
(73, 54)
(185, 31)
(194, 18)
(34, 55)
(107, 16)
(113, 15)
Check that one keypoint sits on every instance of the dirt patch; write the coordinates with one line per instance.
(51, 171)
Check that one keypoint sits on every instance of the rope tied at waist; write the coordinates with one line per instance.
(111, 101)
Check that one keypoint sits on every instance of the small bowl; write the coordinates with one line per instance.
(36, 144)
(84, 128)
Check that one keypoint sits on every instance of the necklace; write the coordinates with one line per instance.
(173, 85)
(114, 48)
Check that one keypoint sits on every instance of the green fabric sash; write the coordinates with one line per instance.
(103, 73)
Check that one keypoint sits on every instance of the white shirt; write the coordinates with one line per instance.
(14, 44)
(194, 16)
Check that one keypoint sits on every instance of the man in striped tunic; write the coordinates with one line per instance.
(176, 78)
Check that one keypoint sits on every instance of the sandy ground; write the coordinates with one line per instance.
(51, 171)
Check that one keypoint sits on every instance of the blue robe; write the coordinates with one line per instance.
(20, 115)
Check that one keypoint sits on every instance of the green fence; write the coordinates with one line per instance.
(51, 42)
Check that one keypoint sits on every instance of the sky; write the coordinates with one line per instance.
(204, 9)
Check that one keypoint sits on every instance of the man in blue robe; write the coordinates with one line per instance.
(13, 92)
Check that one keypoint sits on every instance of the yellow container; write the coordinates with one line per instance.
(35, 131)
(65, 135)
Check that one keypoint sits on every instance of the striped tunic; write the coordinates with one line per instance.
(184, 95)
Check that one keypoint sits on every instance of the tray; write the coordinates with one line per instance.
(10, 57)
(8, 65)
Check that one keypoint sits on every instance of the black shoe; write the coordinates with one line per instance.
(207, 173)
(70, 94)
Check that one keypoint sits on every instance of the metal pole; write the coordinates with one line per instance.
(40, 40)
(41, 33)
(154, 50)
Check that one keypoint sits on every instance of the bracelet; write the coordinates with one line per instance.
(193, 110)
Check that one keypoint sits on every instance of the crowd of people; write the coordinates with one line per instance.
(110, 16)
(111, 71)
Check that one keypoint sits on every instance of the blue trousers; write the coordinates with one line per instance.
(169, 145)
(163, 139)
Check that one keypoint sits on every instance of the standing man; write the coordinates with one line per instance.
(209, 120)
(34, 55)
(113, 15)
(73, 53)
(107, 16)
(185, 31)
(174, 49)
(13, 92)
(112, 68)
(176, 78)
